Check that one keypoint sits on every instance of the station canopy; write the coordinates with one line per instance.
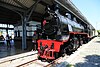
(10, 9)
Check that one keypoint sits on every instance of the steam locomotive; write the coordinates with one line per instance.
(60, 34)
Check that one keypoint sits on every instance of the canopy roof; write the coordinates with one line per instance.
(9, 9)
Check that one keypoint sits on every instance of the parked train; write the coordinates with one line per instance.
(60, 34)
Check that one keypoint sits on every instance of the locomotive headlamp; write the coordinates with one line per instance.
(52, 46)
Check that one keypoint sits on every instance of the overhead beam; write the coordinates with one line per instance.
(32, 9)
(11, 7)
(7, 22)
(8, 19)
(6, 28)
(42, 2)
(18, 23)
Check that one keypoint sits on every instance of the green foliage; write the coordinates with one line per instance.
(70, 65)
(98, 31)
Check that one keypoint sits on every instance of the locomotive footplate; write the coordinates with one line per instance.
(48, 48)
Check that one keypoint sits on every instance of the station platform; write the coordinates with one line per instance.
(9, 51)
(88, 55)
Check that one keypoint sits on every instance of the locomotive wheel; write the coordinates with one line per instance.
(74, 44)
(56, 55)
(39, 58)
(65, 51)
(84, 40)
(61, 51)
(81, 42)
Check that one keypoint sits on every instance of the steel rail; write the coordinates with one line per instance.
(16, 58)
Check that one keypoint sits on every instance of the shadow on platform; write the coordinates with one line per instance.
(97, 41)
(90, 61)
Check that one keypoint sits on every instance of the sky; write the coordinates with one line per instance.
(91, 10)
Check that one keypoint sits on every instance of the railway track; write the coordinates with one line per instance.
(40, 63)
(31, 60)
(13, 61)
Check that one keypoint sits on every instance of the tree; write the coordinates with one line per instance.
(98, 32)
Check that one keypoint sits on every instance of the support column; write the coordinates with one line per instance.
(7, 29)
(25, 19)
(24, 46)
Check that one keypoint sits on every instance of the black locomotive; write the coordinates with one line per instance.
(60, 33)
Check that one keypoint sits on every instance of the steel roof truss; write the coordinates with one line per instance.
(11, 7)
(19, 3)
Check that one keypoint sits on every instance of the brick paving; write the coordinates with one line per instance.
(89, 56)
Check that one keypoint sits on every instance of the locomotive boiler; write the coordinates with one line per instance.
(60, 33)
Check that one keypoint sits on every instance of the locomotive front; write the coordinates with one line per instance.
(50, 41)
(59, 34)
